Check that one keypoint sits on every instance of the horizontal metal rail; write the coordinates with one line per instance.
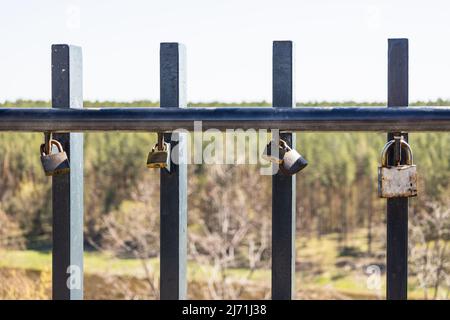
(154, 119)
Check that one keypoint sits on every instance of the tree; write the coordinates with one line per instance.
(429, 250)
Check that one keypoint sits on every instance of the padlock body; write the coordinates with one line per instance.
(158, 159)
(397, 181)
(55, 163)
(292, 163)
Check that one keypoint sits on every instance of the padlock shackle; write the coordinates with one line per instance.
(165, 147)
(161, 143)
(47, 151)
(47, 141)
(403, 145)
(283, 144)
(282, 149)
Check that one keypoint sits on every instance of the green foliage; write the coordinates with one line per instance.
(338, 185)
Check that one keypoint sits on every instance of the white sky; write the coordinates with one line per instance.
(341, 46)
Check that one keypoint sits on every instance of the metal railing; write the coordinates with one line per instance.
(153, 119)
(67, 119)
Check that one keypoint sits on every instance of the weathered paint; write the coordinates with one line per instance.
(397, 208)
(283, 186)
(67, 189)
(397, 181)
(173, 196)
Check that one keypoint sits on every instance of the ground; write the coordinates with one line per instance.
(323, 272)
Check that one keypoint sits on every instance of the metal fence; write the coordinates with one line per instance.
(67, 119)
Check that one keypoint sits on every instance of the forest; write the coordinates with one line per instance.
(340, 219)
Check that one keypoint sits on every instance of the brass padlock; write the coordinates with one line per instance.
(293, 161)
(289, 160)
(398, 180)
(54, 163)
(159, 158)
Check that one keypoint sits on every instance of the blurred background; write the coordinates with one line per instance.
(341, 59)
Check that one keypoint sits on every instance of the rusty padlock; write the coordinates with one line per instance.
(54, 163)
(397, 180)
(159, 156)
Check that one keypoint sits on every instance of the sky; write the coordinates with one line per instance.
(341, 46)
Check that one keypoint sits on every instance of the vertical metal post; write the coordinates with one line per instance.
(283, 187)
(397, 208)
(174, 183)
(67, 189)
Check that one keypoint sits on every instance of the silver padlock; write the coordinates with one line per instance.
(293, 161)
(398, 180)
(289, 160)
(54, 163)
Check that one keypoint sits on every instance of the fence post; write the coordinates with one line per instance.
(283, 187)
(67, 189)
(397, 208)
(173, 194)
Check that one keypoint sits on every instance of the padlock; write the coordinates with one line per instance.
(289, 160)
(159, 158)
(397, 180)
(54, 163)
(293, 161)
